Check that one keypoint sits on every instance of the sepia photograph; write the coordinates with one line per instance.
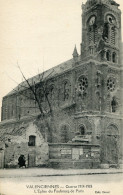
(61, 97)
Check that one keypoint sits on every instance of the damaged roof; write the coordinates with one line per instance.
(59, 69)
(13, 131)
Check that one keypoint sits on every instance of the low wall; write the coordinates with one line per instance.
(74, 155)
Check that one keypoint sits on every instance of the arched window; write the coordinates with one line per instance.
(110, 32)
(102, 55)
(108, 55)
(64, 133)
(92, 29)
(112, 130)
(114, 104)
(66, 90)
(92, 32)
(41, 94)
(51, 92)
(82, 130)
(32, 139)
(114, 57)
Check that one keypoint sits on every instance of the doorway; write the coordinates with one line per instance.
(31, 160)
(111, 144)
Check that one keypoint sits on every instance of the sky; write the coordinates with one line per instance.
(36, 35)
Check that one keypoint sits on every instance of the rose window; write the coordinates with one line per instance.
(83, 83)
(111, 84)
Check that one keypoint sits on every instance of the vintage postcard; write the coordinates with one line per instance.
(61, 97)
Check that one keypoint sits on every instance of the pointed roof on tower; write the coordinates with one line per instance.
(75, 53)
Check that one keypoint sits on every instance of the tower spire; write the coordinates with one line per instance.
(75, 53)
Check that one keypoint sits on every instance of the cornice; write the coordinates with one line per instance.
(107, 115)
(110, 7)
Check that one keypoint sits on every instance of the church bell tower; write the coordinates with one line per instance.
(101, 31)
(101, 50)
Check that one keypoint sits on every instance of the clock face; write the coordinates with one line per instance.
(110, 19)
(92, 20)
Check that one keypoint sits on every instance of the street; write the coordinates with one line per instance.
(77, 184)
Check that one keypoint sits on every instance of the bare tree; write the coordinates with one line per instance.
(46, 114)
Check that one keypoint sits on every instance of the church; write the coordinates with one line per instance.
(71, 116)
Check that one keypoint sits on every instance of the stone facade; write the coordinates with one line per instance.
(85, 94)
